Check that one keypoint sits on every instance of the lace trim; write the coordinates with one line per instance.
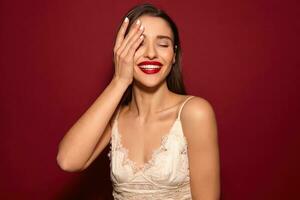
(154, 154)
(169, 196)
(135, 167)
(145, 192)
(110, 149)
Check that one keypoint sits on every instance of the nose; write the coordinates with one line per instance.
(150, 52)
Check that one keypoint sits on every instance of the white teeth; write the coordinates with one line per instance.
(150, 67)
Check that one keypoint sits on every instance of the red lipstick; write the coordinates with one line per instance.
(150, 67)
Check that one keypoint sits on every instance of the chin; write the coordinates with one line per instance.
(149, 80)
(147, 83)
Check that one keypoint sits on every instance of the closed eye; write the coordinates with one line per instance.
(164, 45)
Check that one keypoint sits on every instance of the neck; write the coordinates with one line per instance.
(148, 101)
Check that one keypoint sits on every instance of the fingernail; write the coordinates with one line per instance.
(138, 22)
(142, 27)
(126, 19)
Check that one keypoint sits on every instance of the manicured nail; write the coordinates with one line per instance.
(126, 19)
(138, 22)
(141, 37)
(142, 27)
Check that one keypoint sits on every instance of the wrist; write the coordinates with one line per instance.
(120, 82)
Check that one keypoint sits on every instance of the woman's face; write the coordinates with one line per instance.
(155, 56)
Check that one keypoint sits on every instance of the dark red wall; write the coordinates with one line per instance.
(242, 56)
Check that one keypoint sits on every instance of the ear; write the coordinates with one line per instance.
(174, 56)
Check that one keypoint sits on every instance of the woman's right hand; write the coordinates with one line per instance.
(125, 48)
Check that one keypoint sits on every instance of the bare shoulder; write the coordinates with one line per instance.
(198, 117)
(196, 107)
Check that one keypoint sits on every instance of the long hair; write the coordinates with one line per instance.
(174, 79)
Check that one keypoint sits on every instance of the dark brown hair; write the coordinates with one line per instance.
(174, 79)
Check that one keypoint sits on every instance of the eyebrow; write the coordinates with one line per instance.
(164, 37)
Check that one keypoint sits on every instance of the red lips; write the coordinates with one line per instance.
(150, 63)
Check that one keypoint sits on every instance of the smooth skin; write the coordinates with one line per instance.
(153, 107)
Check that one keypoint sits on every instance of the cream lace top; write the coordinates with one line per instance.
(164, 177)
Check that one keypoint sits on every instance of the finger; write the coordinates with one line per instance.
(133, 40)
(134, 46)
(131, 33)
(121, 33)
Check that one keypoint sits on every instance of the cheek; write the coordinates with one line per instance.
(167, 55)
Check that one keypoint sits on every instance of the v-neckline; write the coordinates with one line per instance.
(133, 164)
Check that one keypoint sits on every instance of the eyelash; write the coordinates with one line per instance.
(162, 45)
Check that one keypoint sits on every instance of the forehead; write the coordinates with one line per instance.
(155, 26)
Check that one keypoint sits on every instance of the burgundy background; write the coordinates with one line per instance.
(242, 56)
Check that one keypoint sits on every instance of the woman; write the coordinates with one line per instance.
(164, 143)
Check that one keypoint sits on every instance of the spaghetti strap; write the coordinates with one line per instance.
(186, 100)
(118, 113)
(114, 129)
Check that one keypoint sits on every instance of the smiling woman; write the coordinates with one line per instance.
(157, 43)
(163, 142)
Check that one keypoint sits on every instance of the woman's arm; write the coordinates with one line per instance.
(200, 129)
(91, 132)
